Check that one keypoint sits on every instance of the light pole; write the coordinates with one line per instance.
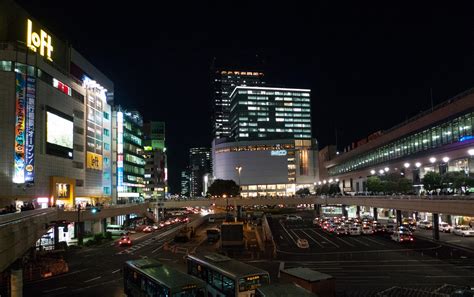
(239, 169)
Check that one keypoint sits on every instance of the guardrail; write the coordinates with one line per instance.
(13, 217)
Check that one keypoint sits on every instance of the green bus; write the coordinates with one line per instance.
(150, 278)
(226, 277)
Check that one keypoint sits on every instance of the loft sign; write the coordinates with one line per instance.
(41, 41)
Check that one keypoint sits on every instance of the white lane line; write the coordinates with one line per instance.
(115, 271)
(325, 239)
(287, 232)
(92, 279)
(346, 242)
(58, 276)
(375, 241)
(450, 276)
(158, 248)
(360, 241)
(314, 240)
(52, 290)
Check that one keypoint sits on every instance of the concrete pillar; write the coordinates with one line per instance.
(435, 226)
(317, 210)
(449, 219)
(416, 215)
(358, 211)
(16, 282)
(344, 210)
(376, 214)
(56, 235)
(104, 225)
(80, 233)
(97, 227)
(399, 217)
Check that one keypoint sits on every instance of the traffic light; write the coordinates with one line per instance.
(95, 210)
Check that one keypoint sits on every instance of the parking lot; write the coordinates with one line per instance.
(365, 264)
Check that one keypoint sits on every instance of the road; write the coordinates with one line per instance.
(370, 263)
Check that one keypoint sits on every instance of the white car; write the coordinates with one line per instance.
(445, 227)
(425, 225)
(401, 236)
(367, 230)
(294, 218)
(302, 243)
(463, 230)
(354, 231)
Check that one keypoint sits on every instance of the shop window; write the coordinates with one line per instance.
(5, 66)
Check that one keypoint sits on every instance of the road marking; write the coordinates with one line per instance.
(92, 279)
(287, 232)
(375, 241)
(157, 249)
(450, 276)
(312, 239)
(115, 271)
(324, 238)
(345, 241)
(58, 276)
(281, 267)
(52, 290)
(360, 252)
(360, 241)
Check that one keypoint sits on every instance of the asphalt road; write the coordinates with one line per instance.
(365, 264)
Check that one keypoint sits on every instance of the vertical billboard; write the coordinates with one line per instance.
(120, 152)
(94, 124)
(30, 129)
(20, 137)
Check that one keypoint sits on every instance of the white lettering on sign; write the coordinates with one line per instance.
(279, 153)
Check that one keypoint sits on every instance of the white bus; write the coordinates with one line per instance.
(226, 277)
(115, 230)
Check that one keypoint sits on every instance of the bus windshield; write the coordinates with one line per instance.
(249, 283)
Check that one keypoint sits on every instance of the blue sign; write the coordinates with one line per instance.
(279, 153)
(30, 129)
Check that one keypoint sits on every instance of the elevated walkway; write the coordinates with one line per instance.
(20, 231)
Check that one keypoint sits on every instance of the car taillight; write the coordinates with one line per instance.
(411, 238)
(401, 239)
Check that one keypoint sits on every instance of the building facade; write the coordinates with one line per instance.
(260, 113)
(128, 155)
(55, 128)
(154, 153)
(267, 167)
(200, 164)
(438, 140)
(223, 83)
(185, 184)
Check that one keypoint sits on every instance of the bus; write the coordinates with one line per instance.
(148, 277)
(226, 277)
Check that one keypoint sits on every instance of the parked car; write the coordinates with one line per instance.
(389, 228)
(367, 230)
(354, 230)
(148, 229)
(294, 218)
(445, 227)
(425, 225)
(463, 230)
(341, 231)
(302, 243)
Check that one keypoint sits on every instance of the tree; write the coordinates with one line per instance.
(374, 184)
(302, 192)
(222, 187)
(334, 189)
(432, 181)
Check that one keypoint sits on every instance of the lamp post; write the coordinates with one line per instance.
(227, 205)
(239, 169)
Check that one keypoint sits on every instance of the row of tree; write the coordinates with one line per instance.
(448, 183)
(392, 183)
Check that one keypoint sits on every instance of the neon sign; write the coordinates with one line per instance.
(62, 87)
(41, 41)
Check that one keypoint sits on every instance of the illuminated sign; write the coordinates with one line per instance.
(62, 87)
(188, 287)
(279, 153)
(120, 152)
(94, 161)
(30, 129)
(63, 190)
(251, 278)
(20, 137)
(41, 41)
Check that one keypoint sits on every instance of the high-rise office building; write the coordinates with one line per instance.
(154, 153)
(199, 165)
(223, 83)
(185, 185)
(128, 155)
(265, 113)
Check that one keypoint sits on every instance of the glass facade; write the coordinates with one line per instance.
(452, 131)
(258, 113)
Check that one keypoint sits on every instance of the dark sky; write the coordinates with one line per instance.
(369, 65)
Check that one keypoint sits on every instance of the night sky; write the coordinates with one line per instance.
(369, 65)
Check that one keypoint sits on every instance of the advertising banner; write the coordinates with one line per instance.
(94, 161)
(20, 137)
(30, 129)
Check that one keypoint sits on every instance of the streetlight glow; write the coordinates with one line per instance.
(381, 171)
(372, 172)
(331, 180)
(337, 180)
(319, 183)
(445, 159)
(406, 165)
(386, 169)
(324, 181)
(417, 164)
(432, 159)
(471, 152)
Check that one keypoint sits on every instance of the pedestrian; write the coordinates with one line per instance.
(470, 224)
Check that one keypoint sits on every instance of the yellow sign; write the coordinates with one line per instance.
(94, 161)
(251, 278)
(41, 41)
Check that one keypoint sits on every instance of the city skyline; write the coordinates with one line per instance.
(369, 55)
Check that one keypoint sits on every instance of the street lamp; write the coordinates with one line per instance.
(239, 169)
(432, 160)
(417, 164)
(372, 172)
(445, 159)
(386, 169)
(381, 171)
(406, 165)
(471, 152)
